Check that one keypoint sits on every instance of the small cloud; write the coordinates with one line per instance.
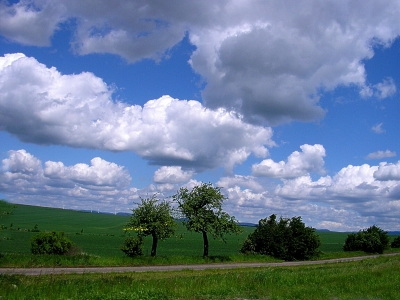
(172, 175)
(382, 90)
(366, 92)
(381, 154)
(378, 128)
(298, 164)
(385, 89)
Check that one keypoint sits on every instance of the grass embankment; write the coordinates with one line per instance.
(369, 279)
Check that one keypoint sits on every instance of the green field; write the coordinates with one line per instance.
(102, 234)
(98, 234)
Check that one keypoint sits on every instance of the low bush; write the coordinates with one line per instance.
(50, 243)
(370, 240)
(133, 246)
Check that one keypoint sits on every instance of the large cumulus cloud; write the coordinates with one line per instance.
(263, 62)
(354, 198)
(270, 59)
(266, 60)
(101, 184)
(78, 111)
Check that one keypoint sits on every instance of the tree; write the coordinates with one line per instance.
(396, 242)
(287, 239)
(372, 240)
(201, 209)
(154, 218)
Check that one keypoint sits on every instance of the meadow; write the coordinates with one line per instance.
(100, 236)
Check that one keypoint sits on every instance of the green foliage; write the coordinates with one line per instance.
(396, 242)
(371, 240)
(133, 246)
(154, 218)
(50, 243)
(201, 209)
(287, 239)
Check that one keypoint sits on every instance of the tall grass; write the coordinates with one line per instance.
(369, 279)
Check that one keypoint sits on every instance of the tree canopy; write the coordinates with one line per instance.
(201, 209)
(152, 217)
(372, 240)
(287, 239)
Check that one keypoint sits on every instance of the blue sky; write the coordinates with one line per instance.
(291, 107)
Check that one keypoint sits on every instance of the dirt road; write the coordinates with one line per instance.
(46, 271)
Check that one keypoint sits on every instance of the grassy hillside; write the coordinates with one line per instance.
(98, 234)
(102, 234)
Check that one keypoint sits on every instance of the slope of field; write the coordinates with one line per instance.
(102, 234)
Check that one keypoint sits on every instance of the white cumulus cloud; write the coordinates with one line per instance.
(381, 154)
(387, 171)
(101, 184)
(248, 182)
(30, 23)
(21, 162)
(311, 159)
(266, 60)
(78, 111)
(99, 173)
(172, 175)
(385, 89)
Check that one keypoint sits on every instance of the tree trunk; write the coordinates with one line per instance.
(205, 240)
(154, 246)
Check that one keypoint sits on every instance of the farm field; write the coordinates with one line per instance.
(102, 234)
(99, 234)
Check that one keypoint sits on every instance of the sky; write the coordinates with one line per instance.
(291, 107)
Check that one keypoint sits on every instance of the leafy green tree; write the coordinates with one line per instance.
(50, 243)
(152, 217)
(371, 240)
(396, 242)
(201, 209)
(287, 239)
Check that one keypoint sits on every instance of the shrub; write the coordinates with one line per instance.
(371, 240)
(133, 246)
(396, 242)
(50, 243)
(35, 228)
(287, 239)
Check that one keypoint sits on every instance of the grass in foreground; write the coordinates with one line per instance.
(369, 279)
